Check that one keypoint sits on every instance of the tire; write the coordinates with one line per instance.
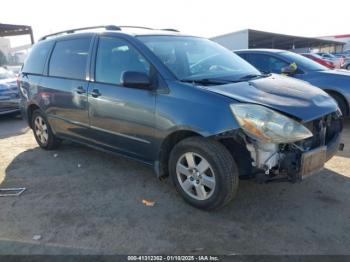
(341, 103)
(348, 67)
(42, 131)
(222, 169)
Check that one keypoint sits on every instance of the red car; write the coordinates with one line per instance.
(319, 59)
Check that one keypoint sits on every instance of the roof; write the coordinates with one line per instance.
(14, 30)
(262, 39)
(130, 30)
(261, 50)
(337, 36)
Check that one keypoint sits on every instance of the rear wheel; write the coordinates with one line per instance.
(204, 172)
(42, 131)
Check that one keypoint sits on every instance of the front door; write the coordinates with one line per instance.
(121, 117)
(266, 63)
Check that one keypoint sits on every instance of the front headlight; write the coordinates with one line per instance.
(266, 125)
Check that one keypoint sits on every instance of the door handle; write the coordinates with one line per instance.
(80, 90)
(95, 93)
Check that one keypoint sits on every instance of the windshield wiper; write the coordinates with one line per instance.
(220, 81)
(206, 81)
(251, 76)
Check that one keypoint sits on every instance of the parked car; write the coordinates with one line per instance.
(346, 64)
(334, 82)
(13, 68)
(182, 104)
(9, 93)
(336, 60)
(317, 58)
(345, 60)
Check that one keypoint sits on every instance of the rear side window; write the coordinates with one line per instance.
(69, 58)
(36, 59)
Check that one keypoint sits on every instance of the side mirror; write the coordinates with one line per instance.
(135, 79)
(289, 70)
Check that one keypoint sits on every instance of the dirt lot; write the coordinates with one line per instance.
(97, 207)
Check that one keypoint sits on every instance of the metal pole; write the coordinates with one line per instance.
(31, 35)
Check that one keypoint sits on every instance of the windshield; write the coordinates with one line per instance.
(4, 73)
(327, 55)
(197, 58)
(305, 63)
(314, 55)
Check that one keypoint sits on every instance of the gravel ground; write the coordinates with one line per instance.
(82, 201)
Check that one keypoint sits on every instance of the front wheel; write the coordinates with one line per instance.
(42, 131)
(204, 172)
(341, 103)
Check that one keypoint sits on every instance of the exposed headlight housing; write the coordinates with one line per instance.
(266, 125)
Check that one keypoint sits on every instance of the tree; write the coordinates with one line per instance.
(3, 59)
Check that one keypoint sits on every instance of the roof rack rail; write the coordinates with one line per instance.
(170, 29)
(71, 31)
(107, 27)
(148, 28)
(139, 27)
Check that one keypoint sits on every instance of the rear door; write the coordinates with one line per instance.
(121, 117)
(65, 87)
(32, 71)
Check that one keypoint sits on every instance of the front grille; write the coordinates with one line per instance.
(324, 129)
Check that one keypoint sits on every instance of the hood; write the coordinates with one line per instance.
(8, 82)
(329, 79)
(287, 95)
(336, 72)
(8, 89)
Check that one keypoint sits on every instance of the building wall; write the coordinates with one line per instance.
(325, 49)
(233, 41)
(240, 40)
(300, 50)
(345, 39)
(5, 46)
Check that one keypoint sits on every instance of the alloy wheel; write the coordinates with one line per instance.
(196, 176)
(40, 129)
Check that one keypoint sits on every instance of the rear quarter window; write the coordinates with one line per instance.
(35, 62)
(69, 58)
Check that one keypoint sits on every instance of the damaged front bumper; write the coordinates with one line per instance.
(296, 161)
